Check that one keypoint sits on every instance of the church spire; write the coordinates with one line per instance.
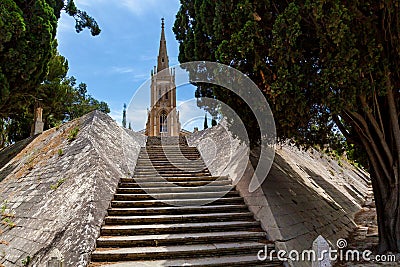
(162, 53)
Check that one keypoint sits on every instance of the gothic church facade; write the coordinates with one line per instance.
(163, 118)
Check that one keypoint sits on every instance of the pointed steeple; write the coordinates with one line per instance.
(162, 62)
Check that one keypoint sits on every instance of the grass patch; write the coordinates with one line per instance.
(30, 165)
(58, 184)
(60, 152)
(8, 222)
(26, 261)
(6, 216)
(73, 134)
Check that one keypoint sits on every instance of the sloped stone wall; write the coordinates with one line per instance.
(306, 194)
(60, 188)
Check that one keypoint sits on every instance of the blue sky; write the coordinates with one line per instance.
(118, 61)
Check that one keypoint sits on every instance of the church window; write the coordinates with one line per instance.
(163, 122)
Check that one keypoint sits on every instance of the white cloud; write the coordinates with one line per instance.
(140, 7)
(137, 7)
(137, 118)
(122, 70)
(88, 2)
(190, 115)
(141, 77)
(117, 116)
(151, 57)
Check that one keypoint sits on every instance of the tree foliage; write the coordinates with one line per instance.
(124, 117)
(205, 122)
(27, 43)
(323, 66)
(62, 100)
(213, 122)
(31, 69)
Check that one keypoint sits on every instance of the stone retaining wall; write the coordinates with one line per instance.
(60, 188)
(306, 194)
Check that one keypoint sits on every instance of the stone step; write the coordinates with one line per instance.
(169, 150)
(154, 179)
(169, 161)
(144, 160)
(179, 176)
(170, 168)
(155, 150)
(155, 164)
(169, 155)
(175, 252)
(175, 184)
(212, 217)
(174, 175)
(169, 174)
(143, 179)
(176, 210)
(139, 229)
(179, 239)
(178, 195)
(177, 202)
(170, 147)
(151, 179)
(184, 166)
(175, 189)
(216, 261)
(178, 158)
(173, 159)
(174, 171)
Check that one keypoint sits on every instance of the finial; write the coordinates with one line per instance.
(162, 23)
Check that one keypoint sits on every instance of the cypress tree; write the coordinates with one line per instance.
(205, 122)
(124, 117)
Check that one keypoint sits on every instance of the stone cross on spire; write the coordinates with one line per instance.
(162, 62)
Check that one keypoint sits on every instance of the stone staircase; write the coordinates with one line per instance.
(165, 216)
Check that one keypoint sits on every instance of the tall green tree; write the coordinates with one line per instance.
(124, 117)
(27, 44)
(213, 122)
(61, 98)
(27, 52)
(323, 65)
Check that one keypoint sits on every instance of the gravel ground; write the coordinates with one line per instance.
(365, 237)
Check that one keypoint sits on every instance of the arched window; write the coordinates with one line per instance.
(163, 122)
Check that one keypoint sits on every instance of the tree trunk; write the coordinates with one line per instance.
(377, 127)
(388, 213)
